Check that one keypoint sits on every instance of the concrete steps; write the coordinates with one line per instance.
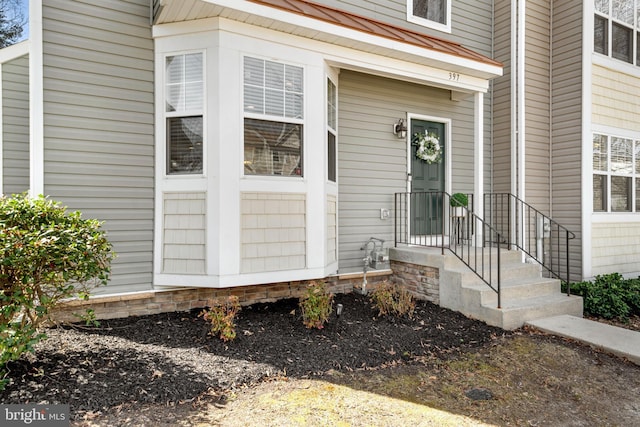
(525, 294)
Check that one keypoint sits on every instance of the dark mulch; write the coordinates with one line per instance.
(170, 358)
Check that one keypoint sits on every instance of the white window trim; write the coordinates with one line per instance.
(635, 30)
(635, 207)
(428, 23)
(187, 113)
(333, 131)
(283, 119)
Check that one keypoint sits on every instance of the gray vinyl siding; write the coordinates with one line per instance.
(372, 162)
(501, 170)
(15, 126)
(567, 119)
(537, 99)
(98, 124)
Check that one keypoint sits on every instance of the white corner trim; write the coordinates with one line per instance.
(587, 151)
(36, 100)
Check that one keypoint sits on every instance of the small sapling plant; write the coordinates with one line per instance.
(221, 317)
(316, 305)
(391, 299)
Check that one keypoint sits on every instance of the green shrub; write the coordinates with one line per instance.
(46, 255)
(609, 296)
(221, 315)
(316, 305)
(632, 291)
(393, 300)
(459, 200)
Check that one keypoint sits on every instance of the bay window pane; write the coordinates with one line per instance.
(184, 82)
(620, 194)
(272, 148)
(331, 104)
(331, 157)
(621, 155)
(622, 10)
(184, 145)
(600, 35)
(599, 193)
(602, 6)
(637, 194)
(274, 75)
(253, 71)
(293, 108)
(253, 99)
(637, 156)
(274, 102)
(600, 152)
(622, 42)
(273, 88)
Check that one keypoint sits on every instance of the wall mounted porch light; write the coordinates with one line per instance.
(400, 129)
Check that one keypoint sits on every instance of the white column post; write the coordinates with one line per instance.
(36, 94)
(478, 162)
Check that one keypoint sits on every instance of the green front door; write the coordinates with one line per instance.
(426, 209)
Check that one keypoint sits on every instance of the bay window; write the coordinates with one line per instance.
(184, 88)
(332, 120)
(273, 118)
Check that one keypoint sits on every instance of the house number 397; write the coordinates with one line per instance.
(454, 76)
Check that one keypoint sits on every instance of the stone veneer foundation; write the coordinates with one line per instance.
(163, 301)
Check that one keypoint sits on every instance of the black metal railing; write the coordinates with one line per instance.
(428, 219)
(522, 226)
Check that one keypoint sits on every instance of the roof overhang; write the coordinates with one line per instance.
(383, 49)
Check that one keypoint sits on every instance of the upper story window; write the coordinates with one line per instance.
(435, 14)
(616, 174)
(616, 31)
(273, 118)
(184, 87)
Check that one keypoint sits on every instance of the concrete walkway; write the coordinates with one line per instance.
(611, 339)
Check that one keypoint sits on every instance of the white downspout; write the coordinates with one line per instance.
(517, 107)
(521, 98)
(514, 96)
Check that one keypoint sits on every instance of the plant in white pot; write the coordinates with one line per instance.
(459, 203)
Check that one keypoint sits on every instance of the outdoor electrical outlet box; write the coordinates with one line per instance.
(385, 213)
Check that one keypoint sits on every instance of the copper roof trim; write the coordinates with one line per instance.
(374, 27)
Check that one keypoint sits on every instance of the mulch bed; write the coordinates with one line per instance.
(170, 358)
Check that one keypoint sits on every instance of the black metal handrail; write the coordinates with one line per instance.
(537, 235)
(428, 219)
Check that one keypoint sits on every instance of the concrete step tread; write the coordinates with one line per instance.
(515, 283)
(538, 301)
